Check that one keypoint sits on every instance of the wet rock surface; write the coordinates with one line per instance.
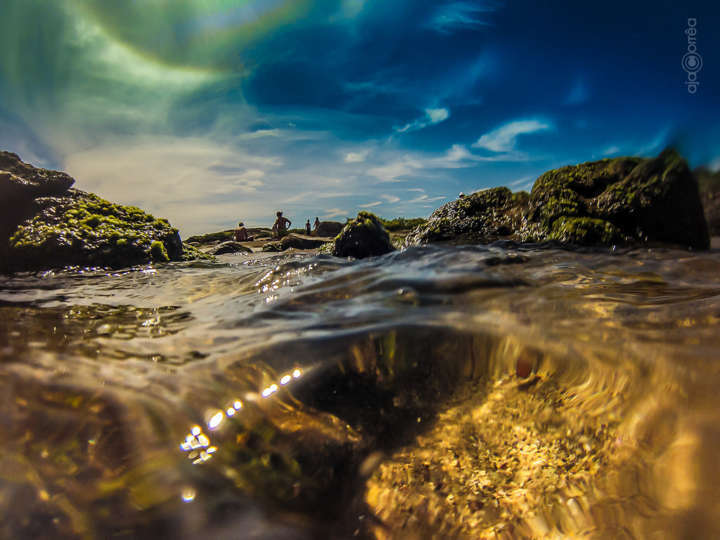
(709, 183)
(230, 247)
(363, 237)
(46, 224)
(481, 217)
(622, 201)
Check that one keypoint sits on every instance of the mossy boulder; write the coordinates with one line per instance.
(362, 237)
(82, 229)
(624, 200)
(46, 224)
(481, 217)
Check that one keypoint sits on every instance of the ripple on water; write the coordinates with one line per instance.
(468, 392)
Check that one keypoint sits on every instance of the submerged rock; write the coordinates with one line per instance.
(362, 237)
(297, 241)
(627, 200)
(481, 217)
(46, 224)
(230, 247)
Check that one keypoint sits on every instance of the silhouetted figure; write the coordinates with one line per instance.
(281, 225)
(241, 234)
(317, 223)
(307, 228)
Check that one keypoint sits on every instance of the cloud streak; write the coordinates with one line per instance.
(504, 138)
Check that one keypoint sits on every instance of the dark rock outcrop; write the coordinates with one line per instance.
(362, 237)
(46, 224)
(328, 229)
(709, 184)
(620, 201)
(626, 200)
(296, 241)
(481, 217)
(230, 247)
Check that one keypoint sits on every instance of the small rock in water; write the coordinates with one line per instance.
(363, 237)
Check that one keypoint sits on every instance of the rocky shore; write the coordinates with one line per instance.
(45, 223)
(621, 201)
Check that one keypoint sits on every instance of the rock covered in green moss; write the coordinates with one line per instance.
(619, 201)
(481, 217)
(20, 185)
(46, 224)
(362, 237)
(82, 229)
(627, 200)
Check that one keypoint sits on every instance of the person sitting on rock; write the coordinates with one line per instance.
(241, 234)
(307, 228)
(281, 225)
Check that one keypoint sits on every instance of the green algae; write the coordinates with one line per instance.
(583, 230)
(84, 229)
(158, 251)
(625, 200)
(364, 236)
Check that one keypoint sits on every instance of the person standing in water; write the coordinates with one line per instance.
(281, 225)
(307, 228)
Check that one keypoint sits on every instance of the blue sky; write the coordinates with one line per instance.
(210, 111)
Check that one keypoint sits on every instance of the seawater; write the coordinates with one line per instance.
(438, 392)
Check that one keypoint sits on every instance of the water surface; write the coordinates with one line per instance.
(468, 392)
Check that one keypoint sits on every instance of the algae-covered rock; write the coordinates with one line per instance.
(83, 229)
(20, 185)
(627, 200)
(46, 224)
(481, 217)
(362, 237)
(230, 247)
(622, 200)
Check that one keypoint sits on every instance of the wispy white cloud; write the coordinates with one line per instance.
(370, 205)
(459, 15)
(169, 175)
(396, 170)
(425, 199)
(335, 212)
(611, 150)
(521, 181)
(356, 157)
(432, 117)
(504, 138)
(390, 198)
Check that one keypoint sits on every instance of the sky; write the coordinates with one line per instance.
(207, 112)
